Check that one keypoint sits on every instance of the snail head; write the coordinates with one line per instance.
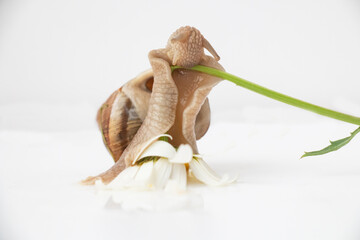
(186, 47)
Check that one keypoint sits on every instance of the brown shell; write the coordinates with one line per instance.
(118, 123)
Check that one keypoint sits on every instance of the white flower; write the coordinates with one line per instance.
(161, 167)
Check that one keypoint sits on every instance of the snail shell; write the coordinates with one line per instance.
(121, 116)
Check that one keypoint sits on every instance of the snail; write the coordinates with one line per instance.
(160, 101)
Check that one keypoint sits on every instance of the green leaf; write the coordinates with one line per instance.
(335, 145)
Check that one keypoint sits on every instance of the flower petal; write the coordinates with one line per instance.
(159, 149)
(184, 154)
(162, 172)
(144, 176)
(148, 144)
(205, 174)
(177, 181)
(136, 177)
(125, 178)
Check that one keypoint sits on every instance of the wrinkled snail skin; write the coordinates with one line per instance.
(162, 107)
(202, 123)
(178, 102)
(193, 90)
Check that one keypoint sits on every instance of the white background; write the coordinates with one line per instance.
(59, 60)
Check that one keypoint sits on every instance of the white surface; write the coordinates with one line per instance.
(59, 60)
(278, 195)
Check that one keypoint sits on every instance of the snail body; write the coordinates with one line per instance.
(162, 102)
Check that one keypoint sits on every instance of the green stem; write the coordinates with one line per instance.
(275, 95)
